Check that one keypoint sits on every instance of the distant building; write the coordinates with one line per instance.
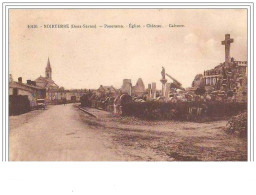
(107, 90)
(71, 95)
(54, 93)
(139, 88)
(127, 86)
(47, 82)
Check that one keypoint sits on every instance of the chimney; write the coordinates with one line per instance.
(20, 79)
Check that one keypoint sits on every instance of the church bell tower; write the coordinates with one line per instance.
(48, 70)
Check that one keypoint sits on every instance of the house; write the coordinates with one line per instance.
(23, 96)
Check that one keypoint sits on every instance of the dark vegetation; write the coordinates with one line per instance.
(238, 125)
(182, 110)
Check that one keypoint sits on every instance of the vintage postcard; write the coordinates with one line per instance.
(160, 84)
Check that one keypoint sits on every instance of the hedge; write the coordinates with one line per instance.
(182, 110)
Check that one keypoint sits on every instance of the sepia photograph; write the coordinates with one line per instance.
(160, 84)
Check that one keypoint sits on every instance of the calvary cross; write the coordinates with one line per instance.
(227, 43)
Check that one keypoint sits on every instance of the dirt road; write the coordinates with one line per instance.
(66, 133)
(58, 134)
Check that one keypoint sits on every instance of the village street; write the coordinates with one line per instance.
(65, 133)
(55, 134)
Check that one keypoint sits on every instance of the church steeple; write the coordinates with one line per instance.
(48, 70)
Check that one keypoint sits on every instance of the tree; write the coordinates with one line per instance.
(200, 91)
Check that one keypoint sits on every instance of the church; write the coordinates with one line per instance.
(47, 82)
(54, 93)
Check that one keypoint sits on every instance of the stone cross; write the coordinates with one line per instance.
(227, 43)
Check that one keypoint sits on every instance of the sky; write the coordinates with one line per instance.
(88, 58)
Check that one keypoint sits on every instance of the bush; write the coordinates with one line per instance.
(238, 125)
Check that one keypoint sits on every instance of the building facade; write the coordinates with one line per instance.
(28, 89)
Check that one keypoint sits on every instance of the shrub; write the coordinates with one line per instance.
(238, 125)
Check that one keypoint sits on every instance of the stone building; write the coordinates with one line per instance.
(72, 95)
(28, 89)
(127, 87)
(139, 88)
(47, 83)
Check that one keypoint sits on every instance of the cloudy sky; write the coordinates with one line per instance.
(87, 58)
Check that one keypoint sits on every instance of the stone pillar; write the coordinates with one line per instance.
(153, 94)
(149, 91)
(163, 81)
(167, 91)
(130, 89)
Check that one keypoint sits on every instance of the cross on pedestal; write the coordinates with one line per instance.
(227, 43)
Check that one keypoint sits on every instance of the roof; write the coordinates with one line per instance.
(108, 88)
(15, 84)
(45, 82)
(139, 87)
